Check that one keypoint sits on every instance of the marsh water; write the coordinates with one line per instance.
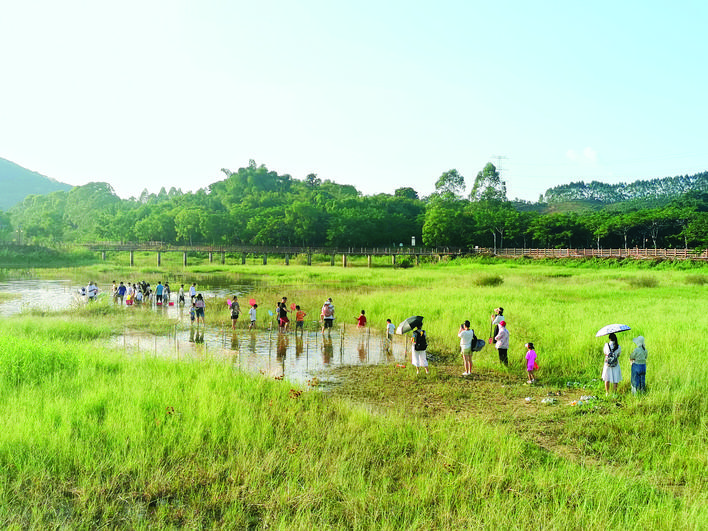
(305, 357)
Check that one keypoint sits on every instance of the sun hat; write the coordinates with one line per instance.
(502, 323)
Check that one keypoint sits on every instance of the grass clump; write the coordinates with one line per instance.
(488, 281)
(643, 282)
(697, 280)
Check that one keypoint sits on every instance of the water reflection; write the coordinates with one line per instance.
(295, 356)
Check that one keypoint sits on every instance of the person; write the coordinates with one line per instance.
(158, 293)
(166, 292)
(281, 313)
(467, 337)
(390, 330)
(638, 359)
(252, 315)
(138, 297)
(114, 291)
(120, 292)
(497, 317)
(327, 316)
(180, 294)
(193, 312)
(299, 319)
(235, 311)
(361, 320)
(531, 365)
(611, 373)
(92, 291)
(200, 305)
(193, 291)
(419, 357)
(502, 343)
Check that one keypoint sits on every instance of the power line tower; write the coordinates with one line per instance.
(500, 159)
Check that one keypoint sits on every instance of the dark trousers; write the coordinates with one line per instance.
(502, 356)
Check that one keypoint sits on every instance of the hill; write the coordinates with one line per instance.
(17, 182)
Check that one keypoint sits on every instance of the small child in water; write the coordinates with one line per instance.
(361, 320)
(193, 312)
(531, 364)
(390, 329)
(252, 315)
(299, 320)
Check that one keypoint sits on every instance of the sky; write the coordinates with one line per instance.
(377, 94)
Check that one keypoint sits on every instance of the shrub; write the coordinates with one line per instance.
(488, 280)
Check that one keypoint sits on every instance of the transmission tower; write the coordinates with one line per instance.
(500, 159)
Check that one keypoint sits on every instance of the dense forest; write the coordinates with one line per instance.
(256, 206)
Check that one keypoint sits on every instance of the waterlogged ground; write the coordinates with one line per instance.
(305, 357)
(295, 357)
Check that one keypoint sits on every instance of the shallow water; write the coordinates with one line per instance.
(295, 357)
(298, 358)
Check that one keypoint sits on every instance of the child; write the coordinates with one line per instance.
(531, 365)
(299, 320)
(193, 312)
(361, 320)
(390, 329)
(252, 315)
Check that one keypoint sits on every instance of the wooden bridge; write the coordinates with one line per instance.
(243, 251)
(396, 254)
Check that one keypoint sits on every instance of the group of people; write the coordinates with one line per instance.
(137, 293)
(499, 336)
(611, 372)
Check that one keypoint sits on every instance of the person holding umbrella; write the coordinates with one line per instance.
(611, 372)
(419, 356)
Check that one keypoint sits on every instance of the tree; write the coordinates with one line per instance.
(312, 180)
(406, 193)
(488, 185)
(496, 217)
(441, 226)
(450, 184)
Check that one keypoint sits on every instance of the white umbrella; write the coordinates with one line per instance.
(612, 329)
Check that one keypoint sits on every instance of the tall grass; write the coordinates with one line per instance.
(101, 441)
(89, 438)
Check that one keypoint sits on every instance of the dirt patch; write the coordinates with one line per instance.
(536, 413)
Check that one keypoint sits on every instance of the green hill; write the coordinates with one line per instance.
(17, 182)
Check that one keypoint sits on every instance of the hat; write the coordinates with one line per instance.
(502, 323)
(639, 341)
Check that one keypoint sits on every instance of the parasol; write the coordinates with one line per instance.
(409, 324)
(612, 329)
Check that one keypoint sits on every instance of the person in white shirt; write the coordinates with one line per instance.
(466, 336)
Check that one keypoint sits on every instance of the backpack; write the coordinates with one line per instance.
(421, 342)
(612, 358)
(327, 310)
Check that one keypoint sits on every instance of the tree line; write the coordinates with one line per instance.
(257, 206)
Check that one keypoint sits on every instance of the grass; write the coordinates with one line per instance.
(89, 438)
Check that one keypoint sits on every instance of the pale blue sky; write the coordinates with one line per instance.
(145, 94)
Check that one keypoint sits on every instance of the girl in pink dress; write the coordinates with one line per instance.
(531, 365)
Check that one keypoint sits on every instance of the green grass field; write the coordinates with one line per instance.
(90, 438)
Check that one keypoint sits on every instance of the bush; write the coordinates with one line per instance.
(488, 280)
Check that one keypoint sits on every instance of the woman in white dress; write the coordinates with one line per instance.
(611, 373)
